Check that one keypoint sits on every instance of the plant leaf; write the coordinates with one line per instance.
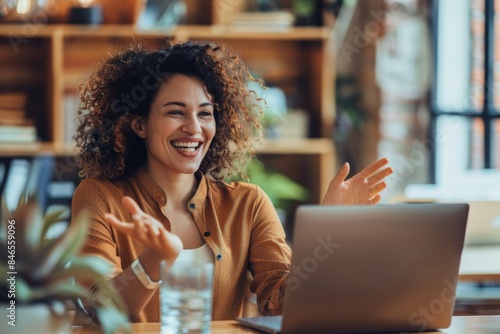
(50, 219)
(59, 251)
(83, 267)
(5, 214)
(23, 290)
(60, 290)
(28, 219)
(278, 187)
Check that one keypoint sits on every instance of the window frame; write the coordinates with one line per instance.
(445, 171)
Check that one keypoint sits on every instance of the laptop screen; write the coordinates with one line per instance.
(374, 268)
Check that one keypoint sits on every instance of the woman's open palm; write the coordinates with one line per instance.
(362, 188)
(148, 230)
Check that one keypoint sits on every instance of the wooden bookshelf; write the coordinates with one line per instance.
(50, 63)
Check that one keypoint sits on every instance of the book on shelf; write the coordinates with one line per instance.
(15, 126)
(13, 100)
(12, 114)
(17, 134)
(262, 20)
(71, 102)
(15, 121)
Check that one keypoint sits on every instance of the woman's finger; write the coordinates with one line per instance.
(373, 167)
(375, 199)
(379, 176)
(152, 228)
(131, 206)
(167, 244)
(377, 188)
(118, 224)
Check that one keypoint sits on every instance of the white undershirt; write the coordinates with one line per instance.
(198, 255)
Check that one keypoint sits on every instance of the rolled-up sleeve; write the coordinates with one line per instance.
(90, 201)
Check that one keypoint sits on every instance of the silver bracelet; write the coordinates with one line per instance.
(143, 277)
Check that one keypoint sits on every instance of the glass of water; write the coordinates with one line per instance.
(186, 298)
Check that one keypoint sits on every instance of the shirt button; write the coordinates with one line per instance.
(219, 256)
(207, 234)
(192, 205)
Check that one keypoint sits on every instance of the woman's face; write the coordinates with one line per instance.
(180, 126)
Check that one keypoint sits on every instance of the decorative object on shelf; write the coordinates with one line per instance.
(122, 11)
(331, 10)
(22, 11)
(274, 110)
(295, 124)
(86, 13)
(263, 5)
(37, 274)
(162, 14)
(308, 12)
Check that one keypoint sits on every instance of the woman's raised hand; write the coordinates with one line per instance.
(362, 188)
(148, 230)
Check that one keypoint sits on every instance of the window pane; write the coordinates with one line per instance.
(477, 143)
(449, 138)
(459, 149)
(496, 144)
(496, 76)
(477, 22)
(460, 55)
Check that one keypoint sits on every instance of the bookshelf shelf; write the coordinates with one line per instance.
(37, 148)
(192, 31)
(316, 146)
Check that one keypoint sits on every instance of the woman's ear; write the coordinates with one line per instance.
(137, 125)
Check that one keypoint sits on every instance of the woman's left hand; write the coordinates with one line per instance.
(362, 188)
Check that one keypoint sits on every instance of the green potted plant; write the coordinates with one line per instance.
(37, 275)
(279, 188)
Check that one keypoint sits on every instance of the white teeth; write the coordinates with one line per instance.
(186, 146)
(186, 149)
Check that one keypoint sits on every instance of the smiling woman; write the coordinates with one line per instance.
(159, 133)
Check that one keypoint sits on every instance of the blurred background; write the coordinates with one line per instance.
(412, 80)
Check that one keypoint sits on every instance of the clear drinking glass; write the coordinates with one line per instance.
(186, 298)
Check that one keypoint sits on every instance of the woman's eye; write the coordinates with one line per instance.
(174, 112)
(205, 113)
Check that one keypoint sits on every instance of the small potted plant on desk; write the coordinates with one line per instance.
(37, 275)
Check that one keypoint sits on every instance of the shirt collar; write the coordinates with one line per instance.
(153, 191)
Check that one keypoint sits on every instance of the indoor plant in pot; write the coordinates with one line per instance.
(37, 275)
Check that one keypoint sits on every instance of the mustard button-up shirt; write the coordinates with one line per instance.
(237, 221)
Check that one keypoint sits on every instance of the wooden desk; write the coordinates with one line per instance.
(459, 325)
(480, 263)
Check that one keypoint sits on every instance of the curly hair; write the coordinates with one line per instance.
(122, 88)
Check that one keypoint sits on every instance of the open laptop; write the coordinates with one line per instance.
(361, 269)
(483, 226)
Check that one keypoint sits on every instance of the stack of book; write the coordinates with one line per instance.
(273, 20)
(15, 125)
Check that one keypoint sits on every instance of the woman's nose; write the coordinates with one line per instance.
(191, 125)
